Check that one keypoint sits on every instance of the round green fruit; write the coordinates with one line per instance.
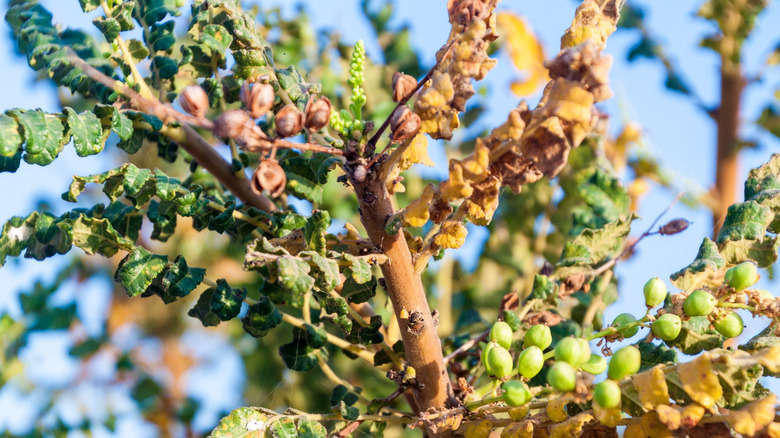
(485, 352)
(607, 394)
(562, 377)
(499, 362)
(730, 325)
(584, 352)
(530, 362)
(667, 327)
(538, 335)
(568, 350)
(699, 303)
(625, 319)
(501, 332)
(624, 362)
(655, 292)
(516, 393)
(742, 276)
(595, 365)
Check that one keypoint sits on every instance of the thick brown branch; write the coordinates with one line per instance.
(418, 330)
(731, 85)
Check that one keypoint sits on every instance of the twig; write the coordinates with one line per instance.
(466, 346)
(335, 340)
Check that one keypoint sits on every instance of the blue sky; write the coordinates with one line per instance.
(680, 135)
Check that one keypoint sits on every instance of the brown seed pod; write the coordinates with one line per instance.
(269, 176)
(403, 85)
(318, 113)
(257, 98)
(289, 121)
(404, 124)
(233, 124)
(194, 100)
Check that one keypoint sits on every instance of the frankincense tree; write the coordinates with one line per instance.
(245, 117)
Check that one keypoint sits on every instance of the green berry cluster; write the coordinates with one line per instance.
(357, 66)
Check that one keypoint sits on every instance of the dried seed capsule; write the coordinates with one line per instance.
(403, 85)
(269, 176)
(318, 113)
(257, 98)
(194, 100)
(404, 124)
(289, 121)
(232, 124)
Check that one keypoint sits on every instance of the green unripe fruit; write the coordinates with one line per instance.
(501, 332)
(584, 352)
(624, 362)
(699, 303)
(568, 350)
(562, 377)
(667, 327)
(485, 353)
(742, 276)
(595, 365)
(538, 335)
(730, 325)
(607, 394)
(655, 292)
(765, 294)
(499, 362)
(516, 393)
(625, 319)
(530, 362)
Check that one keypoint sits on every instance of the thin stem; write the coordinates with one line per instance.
(335, 340)
(485, 401)
(737, 306)
(139, 79)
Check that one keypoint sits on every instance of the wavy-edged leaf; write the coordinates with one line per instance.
(703, 270)
(261, 317)
(87, 132)
(138, 269)
(10, 140)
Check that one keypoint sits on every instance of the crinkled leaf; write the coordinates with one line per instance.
(51, 237)
(108, 26)
(294, 275)
(368, 335)
(261, 317)
(593, 247)
(544, 288)
(315, 229)
(138, 50)
(226, 301)
(123, 13)
(86, 130)
(119, 123)
(16, 235)
(762, 252)
(358, 293)
(241, 422)
(177, 281)
(216, 38)
(138, 270)
(696, 336)
(10, 164)
(325, 271)
(298, 355)
(358, 269)
(161, 36)
(43, 135)
(203, 311)
(745, 221)
(10, 140)
(166, 187)
(308, 428)
(155, 10)
(165, 67)
(702, 270)
(89, 5)
(97, 236)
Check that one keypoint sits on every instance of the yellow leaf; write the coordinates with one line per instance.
(416, 214)
(416, 152)
(475, 166)
(700, 382)
(607, 416)
(773, 431)
(483, 202)
(570, 101)
(651, 386)
(526, 52)
(523, 429)
(768, 357)
(571, 427)
(456, 187)
(594, 20)
(556, 408)
(452, 235)
(753, 417)
(634, 430)
(691, 415)
(479, 430)
(671, 416)
(652, 427)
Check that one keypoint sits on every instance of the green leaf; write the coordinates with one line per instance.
(745, 221)
(89, 5)
(241, 422)
(358, 269)
(653, 355)
(138, 270)
(51, 237)
(87, 132)
(294, 275)
(138, 184)
(43, 135)
(203, 310)
(261, 318)
(696, 336)
(10, 140)
(138, 50)
(763, 186)
(544, 288)
(10, 164)
(155, 10)
(298, 355)
(133, 143)
(166, 187)
(308, 428)
(123, 13)
(216, 38)
(369, 334)
(97, 236)
(16, 236)
(226, 301)
(108, 26)
(165, 67)
(703, 270)
(358, 293)
(283, 428)
(161, 36)
(119, 123)
(315, 229)
(177, 281)
(764, 253)
(325, 271)
(740, 384)
(593, 247)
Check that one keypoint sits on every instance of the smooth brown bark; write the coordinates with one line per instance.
(418, 330)
(727, 118)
